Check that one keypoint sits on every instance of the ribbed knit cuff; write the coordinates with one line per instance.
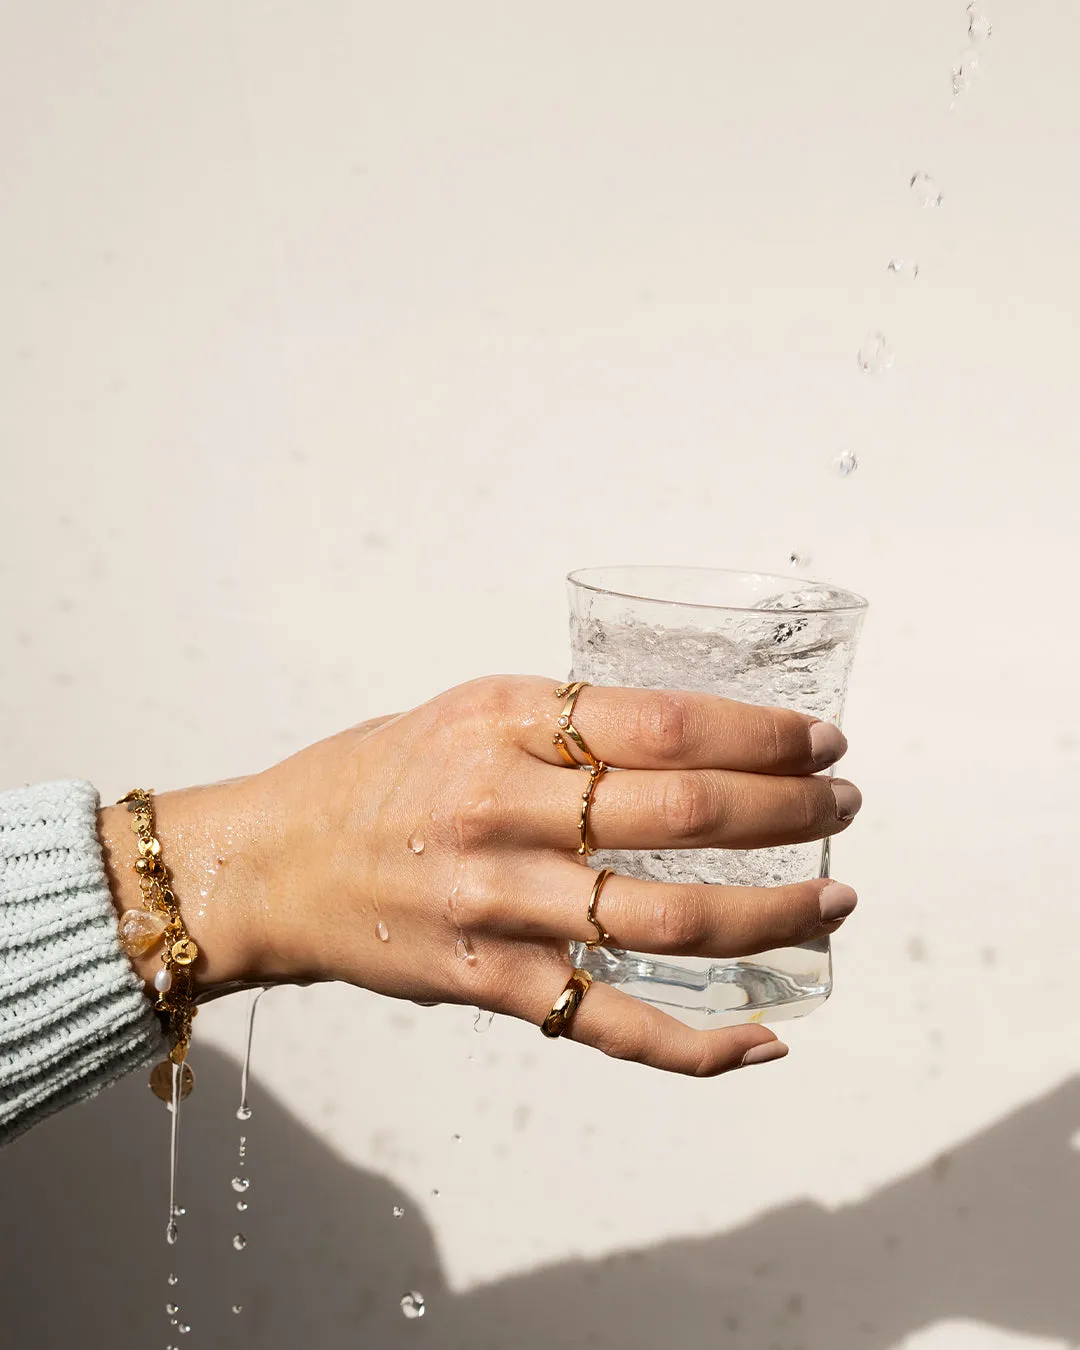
(74, 1016)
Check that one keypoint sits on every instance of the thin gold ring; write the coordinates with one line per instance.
(595, 774)
(566, 1005)
(602, 933)
(570, 693)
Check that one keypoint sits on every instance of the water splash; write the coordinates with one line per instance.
(243, 1111)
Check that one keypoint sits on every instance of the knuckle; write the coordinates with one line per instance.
(488, 697)
(477, 821)
(663, 724)
(682, 920)
(686, 806)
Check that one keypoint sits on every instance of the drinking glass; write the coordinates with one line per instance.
(777, 641)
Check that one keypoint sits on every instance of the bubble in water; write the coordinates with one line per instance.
(240, 1183)
(239, 1242)
(875, 356)
(903, 267)
(243, 1113)
(463, 951)
(979, 26)
(399, 1211)
(416, 843)
(482, 1021)
(964, 71)
(172, 1308)
(926, 190)
(412, 1304)
(173, 1279)
(382, 932)
(241, 1205)
(846, 463)
(237, 1307)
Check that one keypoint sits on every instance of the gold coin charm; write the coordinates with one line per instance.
(161, 1080)
(184, 952)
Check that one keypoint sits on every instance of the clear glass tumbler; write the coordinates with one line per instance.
(777, 641)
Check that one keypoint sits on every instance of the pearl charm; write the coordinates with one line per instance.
(163, 980)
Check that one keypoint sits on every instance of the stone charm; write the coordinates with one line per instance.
(141, 930)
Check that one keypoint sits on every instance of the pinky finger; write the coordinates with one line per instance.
(626, 1028)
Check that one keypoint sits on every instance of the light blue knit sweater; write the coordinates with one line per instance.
(73, 1014)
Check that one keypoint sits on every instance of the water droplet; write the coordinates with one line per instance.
(846, 463)
(416, 843)
(179, 1211)
(482, 1021)
(382, 932)
(926, 190)
(183, 1328)
(172, 1308)
(979, 26)
(243, 1113)
(239, 1242)
(173, 1279)
(240, 1184)
(243, 1144)
(171, 1233)
(903, 267)
(237, 1307)
(435, 1192)
(241, 1205)
(875, 356)
(399, 1211)
(964, 72)
(455, 1138)
(798, 559)
(412, 1304)
(463, 951)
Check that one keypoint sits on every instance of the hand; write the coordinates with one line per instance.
(432, 855)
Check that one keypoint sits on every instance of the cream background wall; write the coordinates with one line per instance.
(333, 336)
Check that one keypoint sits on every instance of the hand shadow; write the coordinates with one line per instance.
(987, 1232)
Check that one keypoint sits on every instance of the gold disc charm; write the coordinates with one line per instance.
(184, 952)
(161, 1080)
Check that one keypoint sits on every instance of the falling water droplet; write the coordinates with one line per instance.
(903, 267)
(183, 1328)
(399, 1211)
(462, 950)
(875, 356)
(416, 843)
(179, 1211)
(239, 1242)
(963, 73)
(171, 1233)
(172, 1308)
(482, 1021)
(241, 1205)
(243, 1145)
(382, 932)
(238, 1307)
(455, 1138)
(173, 1279)
(798, 559)
(979, 26)
(926, 190)
(240, 1184)
(846, 463)
(412, 1304)
(435, 1192)
(243, 1111)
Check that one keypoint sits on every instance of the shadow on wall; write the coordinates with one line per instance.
(988, 1232)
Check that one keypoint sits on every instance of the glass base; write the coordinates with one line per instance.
(706, 993)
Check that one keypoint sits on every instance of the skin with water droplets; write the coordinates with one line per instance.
(416, 843)
(382, 932)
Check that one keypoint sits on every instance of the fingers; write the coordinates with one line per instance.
(626, 1028)
(702, 808)
(673, 729)
(551, 898)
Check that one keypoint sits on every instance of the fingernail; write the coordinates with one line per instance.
(762, 1054)
(848, 798)
(827, 744)
(836, 901)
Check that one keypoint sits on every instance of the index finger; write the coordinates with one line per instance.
(677, 729)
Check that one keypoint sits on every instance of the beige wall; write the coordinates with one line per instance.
(310, 315)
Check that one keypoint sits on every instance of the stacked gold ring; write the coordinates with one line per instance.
(595, 768)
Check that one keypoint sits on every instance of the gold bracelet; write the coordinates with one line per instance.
(140, 932)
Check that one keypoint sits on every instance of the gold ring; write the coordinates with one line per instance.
(602, 933)
(566, 1005)
(595, 775)
(570, 693)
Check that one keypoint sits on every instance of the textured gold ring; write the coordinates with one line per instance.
(602, 933)
(570, 693)
(566, 1005)
(595, 774)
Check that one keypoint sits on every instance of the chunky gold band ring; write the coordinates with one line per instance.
(566, 1005)
(602, 933)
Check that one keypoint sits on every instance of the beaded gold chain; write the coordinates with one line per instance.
(142, 929)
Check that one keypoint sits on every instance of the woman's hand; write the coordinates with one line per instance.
(432, 855)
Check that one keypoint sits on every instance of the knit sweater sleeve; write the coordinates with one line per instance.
(73, 1014)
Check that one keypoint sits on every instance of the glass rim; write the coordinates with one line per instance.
(577, 578)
